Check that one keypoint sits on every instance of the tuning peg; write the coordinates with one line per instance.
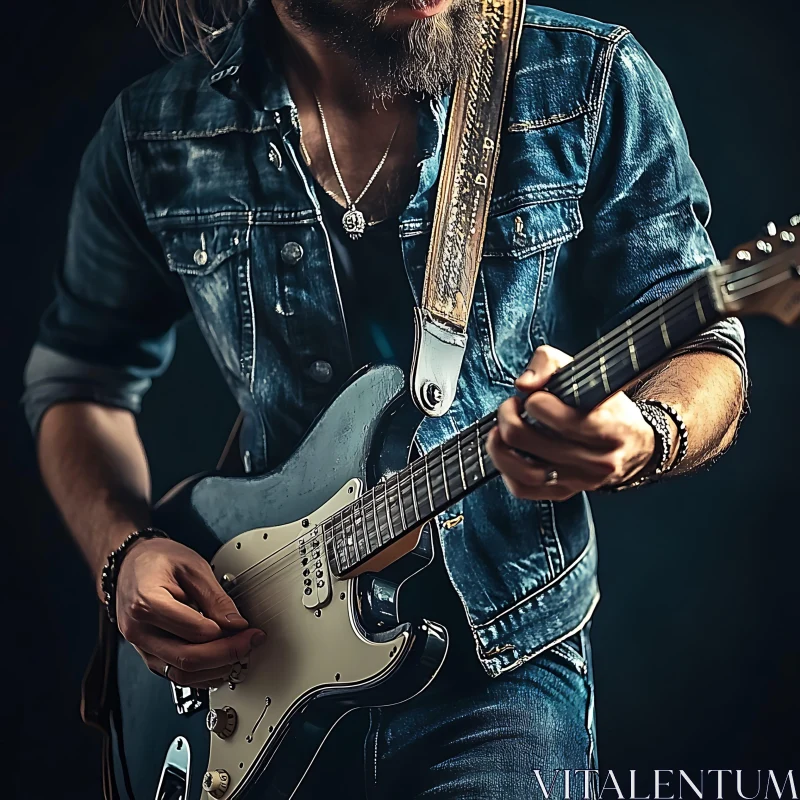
(771, 229)
(795, 220)
(764, 247)
(788, 237)
(744, 255)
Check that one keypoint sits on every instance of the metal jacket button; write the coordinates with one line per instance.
(291, 253)
(200, 258)
(320, 371)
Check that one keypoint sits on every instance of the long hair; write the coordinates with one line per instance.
(181, 26)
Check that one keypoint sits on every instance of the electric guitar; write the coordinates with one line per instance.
(312, 553)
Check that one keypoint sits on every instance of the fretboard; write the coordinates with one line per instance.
(620, 356)
(433, 482)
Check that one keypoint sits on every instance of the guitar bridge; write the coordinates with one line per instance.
(187, 700)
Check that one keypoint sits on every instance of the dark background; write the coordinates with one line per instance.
(696, 651)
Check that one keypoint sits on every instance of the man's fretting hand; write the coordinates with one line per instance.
(157, 580)
(602, 447)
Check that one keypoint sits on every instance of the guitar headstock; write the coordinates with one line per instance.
(763, 276)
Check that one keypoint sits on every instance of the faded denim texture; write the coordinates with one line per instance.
(192, 197)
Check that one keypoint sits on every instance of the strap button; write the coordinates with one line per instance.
(291, 253)
(320, 371)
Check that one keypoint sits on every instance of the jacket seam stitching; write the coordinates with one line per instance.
(525, 126)
(156, 135)
(591, 544)
(128, 155)
(614, 35)
(600, 89)
(524, 659)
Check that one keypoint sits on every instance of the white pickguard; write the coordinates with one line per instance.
(306, 650)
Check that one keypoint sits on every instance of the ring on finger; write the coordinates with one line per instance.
(551, 477)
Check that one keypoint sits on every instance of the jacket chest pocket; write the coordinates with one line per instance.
(519, 255)
(213, 261)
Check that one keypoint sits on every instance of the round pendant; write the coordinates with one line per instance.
(353, 222)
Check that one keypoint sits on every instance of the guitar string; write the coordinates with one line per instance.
(752, 271)
(259, 607)
(611, 365)
(369, 503)
(661, 308)
(436, 482)
(636, 323)
(617, 348)
(465, 459)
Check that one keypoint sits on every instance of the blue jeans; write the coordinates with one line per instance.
(481, 741)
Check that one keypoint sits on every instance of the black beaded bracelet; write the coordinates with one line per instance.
(108, 577)
(683, 432)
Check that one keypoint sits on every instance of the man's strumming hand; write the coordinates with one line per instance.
(158, 579)
(602, 447)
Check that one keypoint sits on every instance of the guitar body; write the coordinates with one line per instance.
(333, 644)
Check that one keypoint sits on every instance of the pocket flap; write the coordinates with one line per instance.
(200, 250)
(529, 229)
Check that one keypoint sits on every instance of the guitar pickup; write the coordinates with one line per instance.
(315, 573)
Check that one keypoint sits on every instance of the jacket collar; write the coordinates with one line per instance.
(248, 66)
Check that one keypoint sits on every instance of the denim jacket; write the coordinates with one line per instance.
(192, 196)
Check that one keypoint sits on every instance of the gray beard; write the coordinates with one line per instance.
(427, 56)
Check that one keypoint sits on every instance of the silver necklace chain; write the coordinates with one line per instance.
(353, 220)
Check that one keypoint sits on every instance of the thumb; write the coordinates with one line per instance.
(545, 363)
(212, 599)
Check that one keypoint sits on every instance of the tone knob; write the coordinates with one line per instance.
(221, 721)
(216, 782)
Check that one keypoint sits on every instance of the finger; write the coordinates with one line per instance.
(599, 428)
(201, 678)
(189, 657)
(545, 363)
(534, 474)
(585, 462)
(159, 608)
(519, 490)
(199, 583)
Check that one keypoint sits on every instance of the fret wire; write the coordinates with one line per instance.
(401, 501)
(414, 491)
(343, 535)
(358, 512)
(461, 461)
(585, 369)
(632, 347)
(351, 540)
(480, 454)
(363, 518)
(603, 371)
(663, 326)
(428, 479)
(355, 537)
(643, 322)
(375, 518)
(444, 473)
(698, 304)
(388, 510)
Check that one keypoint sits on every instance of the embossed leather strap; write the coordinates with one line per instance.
(462, 206)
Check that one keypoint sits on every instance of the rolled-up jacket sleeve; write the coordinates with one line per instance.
(645, 207)
(111, 328)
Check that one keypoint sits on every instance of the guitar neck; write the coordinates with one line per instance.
(430, 484)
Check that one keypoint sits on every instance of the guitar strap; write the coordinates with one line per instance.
(462, 207)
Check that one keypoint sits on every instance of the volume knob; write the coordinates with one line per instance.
(221, 721)
(216, 782)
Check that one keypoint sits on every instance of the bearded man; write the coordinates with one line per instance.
(222, 186)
